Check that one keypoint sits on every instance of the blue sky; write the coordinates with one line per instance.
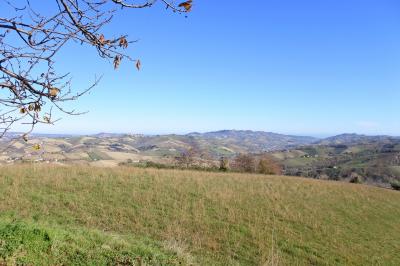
(307, 67)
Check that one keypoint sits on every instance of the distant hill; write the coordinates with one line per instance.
(347, 157)
(213, 144)
(349, 139)
(256, 135)
(247, 141)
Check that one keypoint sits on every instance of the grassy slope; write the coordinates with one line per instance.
(51, 215)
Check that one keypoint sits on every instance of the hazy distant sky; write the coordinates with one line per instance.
(300, 67)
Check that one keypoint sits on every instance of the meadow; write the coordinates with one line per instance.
(81, 215)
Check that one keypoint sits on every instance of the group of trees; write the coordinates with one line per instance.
(187, 158)
(193, 158)
(248, 163)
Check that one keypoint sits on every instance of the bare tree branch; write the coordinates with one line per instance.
(30, 85)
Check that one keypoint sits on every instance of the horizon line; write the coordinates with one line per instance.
(317, 136)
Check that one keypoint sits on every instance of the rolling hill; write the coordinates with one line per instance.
(352, 139)
(127, 216)
(119, 147)
(373, 160)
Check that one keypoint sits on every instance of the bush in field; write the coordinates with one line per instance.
(268, 166)
(356, 178)
(187, 158)
(395, 185)
(244, 163)
(223, 164)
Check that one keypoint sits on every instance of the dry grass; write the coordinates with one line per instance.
(212, 218)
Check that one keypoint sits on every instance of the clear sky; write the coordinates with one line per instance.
(300, 67)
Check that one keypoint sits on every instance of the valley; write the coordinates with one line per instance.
(373, 160)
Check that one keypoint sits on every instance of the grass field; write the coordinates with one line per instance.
(126, 216)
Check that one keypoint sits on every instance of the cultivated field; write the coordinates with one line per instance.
(126, 216)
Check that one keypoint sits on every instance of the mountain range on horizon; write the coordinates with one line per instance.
(215, 144)
(222, 133)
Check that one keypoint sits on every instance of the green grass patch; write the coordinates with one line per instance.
(96, 216)
(97, 155)
(32, 244)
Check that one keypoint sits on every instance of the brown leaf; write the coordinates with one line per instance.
(117, 61)
(138, 64)
(54, 92)
(186, 5)
(123, 42)
(37, 107)
(22, 110)
(102, 39)
(25, 137)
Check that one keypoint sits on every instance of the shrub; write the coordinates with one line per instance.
(187, 158)
(395, 185)
(223, 164)
(355, 178)
(244, 163)
(268, 166)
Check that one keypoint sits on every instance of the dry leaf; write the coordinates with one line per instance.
(37, 107)
(138, 64)
(186, 5)
(117, 61)
(123, 42)
(54, 92)
(102, 39)
(22, 110)
(25, 137)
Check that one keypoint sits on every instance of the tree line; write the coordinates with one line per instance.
(243, 163)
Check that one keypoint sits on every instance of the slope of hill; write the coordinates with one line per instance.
(356, 158)
(126, 216)
(351, 139)
(248, 141)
